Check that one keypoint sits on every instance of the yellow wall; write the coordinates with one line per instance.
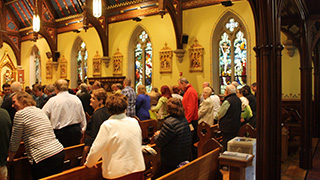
(26, 49)
(65, 45)
(198, 23)
(160, 31)
(290, 73)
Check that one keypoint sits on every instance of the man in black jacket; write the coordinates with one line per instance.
(229, 115)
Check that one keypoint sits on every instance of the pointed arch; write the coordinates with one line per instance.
(140, 54)
(78, 64)
(230, 41)
(7, 69)
(35, 66)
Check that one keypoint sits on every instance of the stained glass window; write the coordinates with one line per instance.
(38, 68)
(232, 55)
(240, 58)
(82, 66)
(143, 61)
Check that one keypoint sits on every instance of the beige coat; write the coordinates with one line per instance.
(205, 111)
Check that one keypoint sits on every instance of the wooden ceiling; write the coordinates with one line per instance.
(20, 12)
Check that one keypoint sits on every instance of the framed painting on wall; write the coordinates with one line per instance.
(196, 57)
(63, 67)
(96, 62)
(166, 59)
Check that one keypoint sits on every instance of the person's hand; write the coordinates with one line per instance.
(157, 133)
(95, 166)
(242, 120)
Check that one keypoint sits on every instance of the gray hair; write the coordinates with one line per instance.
(61, 85)
(16, 87)
(50, 88)
(231, 89)
(181, 80)
(83, 87)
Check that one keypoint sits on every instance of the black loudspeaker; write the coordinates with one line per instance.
(49, 55)
(185, 39)
(56, 55)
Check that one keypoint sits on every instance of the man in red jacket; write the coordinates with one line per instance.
(190, 105)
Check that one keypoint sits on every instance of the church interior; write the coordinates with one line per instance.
(274, 43)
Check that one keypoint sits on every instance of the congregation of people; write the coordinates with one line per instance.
(48, 118)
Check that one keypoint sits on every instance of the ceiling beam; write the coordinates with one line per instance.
(51, 8)
(123, 8)
(10, 2)
(13, 17)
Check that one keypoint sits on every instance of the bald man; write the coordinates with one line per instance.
(66, 114)
(229, 115)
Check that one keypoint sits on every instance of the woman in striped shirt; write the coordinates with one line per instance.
(45, 152)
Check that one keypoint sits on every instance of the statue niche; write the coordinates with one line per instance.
(7, 69)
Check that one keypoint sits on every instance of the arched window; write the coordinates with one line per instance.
(82, 67)
(232, 45)
(143, 61)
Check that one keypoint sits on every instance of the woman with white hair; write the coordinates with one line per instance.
(205, 112)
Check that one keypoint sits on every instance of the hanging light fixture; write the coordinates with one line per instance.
(36, 23)
(97, 9)
(36, 19)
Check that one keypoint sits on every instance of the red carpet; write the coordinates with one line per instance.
(314, 173)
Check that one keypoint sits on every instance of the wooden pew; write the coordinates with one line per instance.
(247, 131)
(148, 128)
(20, 168)
(79, 173)
(73, 156)
(21, 151)
(152, 162)
(205, 133)
(203, 168)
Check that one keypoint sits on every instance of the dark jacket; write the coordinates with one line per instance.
(230, 122)
(5, 132)
(7, 105)
(85, 100)
(253, 105)
(98, 117)
(174, 140)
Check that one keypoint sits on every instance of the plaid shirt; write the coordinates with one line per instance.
(131, 95)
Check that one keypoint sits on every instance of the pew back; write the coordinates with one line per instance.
(203, 168)
(205, 134)
(79, 173)
(148, 127)
(247, 131)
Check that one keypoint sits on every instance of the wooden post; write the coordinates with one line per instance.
(316, 62)
(305, 153)
(268, 53)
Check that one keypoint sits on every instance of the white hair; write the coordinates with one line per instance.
(16, 87)
(231, 89)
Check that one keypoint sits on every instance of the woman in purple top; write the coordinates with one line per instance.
(142, 103)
